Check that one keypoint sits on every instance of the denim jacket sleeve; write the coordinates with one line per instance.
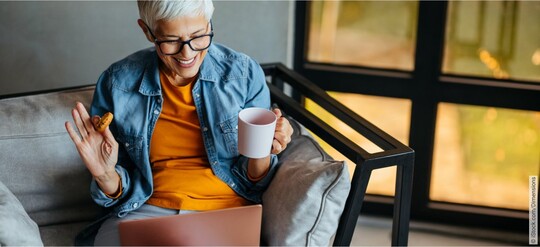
(102, 103)
(258, 96)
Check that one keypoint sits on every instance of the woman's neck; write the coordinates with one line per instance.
(174, 78)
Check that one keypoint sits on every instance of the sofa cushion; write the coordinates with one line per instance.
(38, 160)
(68, 231)
(16, 227)
(304, 202)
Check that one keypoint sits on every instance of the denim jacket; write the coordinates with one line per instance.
(228, 82)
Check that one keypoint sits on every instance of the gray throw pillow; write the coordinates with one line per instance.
(16, 227)
(304, 202)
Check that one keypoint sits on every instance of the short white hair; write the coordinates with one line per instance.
(153, 11)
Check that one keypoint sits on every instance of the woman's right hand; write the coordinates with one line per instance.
(98, 151)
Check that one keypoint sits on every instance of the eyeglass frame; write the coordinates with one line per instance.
(182, 43)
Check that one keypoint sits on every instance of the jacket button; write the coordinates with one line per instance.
(127, 144)
(156, 112)
(205, 129)
(135, 205)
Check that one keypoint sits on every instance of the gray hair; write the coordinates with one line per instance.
(153, 11)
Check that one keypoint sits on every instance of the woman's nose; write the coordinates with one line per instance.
(186, 51)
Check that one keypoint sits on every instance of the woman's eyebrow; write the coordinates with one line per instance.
(174, 36)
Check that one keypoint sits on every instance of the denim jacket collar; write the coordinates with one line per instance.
(150, 84)
(208, 71)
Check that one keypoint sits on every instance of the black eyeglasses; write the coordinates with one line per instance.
(173, 47)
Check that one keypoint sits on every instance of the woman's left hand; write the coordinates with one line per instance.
(283, 133)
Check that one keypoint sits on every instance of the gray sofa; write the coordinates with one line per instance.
(44, 186)
(42, 168)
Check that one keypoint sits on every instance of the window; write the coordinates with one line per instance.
(493, 39)
(459, 83)
(485, 155)
(351, 32)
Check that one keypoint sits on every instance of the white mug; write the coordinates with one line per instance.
(256, 127)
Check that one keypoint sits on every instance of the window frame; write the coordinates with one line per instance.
(425, 86)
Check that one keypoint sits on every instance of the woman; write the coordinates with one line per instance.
(172, 146)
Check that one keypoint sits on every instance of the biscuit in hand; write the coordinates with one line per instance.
(104, 122)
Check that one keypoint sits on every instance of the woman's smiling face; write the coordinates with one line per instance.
(182, 67)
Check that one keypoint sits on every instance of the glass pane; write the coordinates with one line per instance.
(367, 33)
(485, 155)
(496, 39)
(389, 114)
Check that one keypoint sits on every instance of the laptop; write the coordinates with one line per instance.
(239, 226)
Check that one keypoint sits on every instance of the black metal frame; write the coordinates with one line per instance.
(426, 86)
(394, 152)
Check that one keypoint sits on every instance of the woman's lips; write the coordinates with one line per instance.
(186, 63)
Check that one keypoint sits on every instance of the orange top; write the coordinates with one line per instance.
(183, 178)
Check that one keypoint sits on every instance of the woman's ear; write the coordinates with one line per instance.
(145, 30)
